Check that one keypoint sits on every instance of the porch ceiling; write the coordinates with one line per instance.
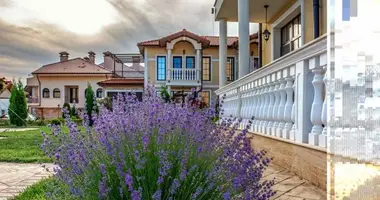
(227, 9)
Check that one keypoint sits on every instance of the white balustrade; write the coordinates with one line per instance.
(184, 74)
(316, 108)
(281, 108)
(288, 108)
(275, 107)
(283, 97)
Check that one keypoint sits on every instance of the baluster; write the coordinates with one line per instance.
(292, 135)
(288, 107)
(270, 108)
(275, 107)
(255, 102)
(258, 108)
(316, 108)
(323, 136)
(281, 108)
(264, 110)
(263, 107)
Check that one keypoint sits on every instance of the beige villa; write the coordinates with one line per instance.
(185, 60)
(65, 81)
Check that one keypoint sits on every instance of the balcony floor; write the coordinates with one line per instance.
(291, 187)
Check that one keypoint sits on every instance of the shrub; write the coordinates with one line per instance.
(106, 102)
(164, 93)
(56, 122)
(65, 108)
(74, 111)
(4, 122)
(91, 105)
(17, 105)
(155, 150)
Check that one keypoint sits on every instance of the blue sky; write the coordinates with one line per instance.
(32, 32)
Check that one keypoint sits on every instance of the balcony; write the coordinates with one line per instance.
(184, 77)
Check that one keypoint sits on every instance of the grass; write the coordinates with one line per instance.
(23, 146)
(38, 191)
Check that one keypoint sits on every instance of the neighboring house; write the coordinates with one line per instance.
(286, 96)
(185, 60)
(5, 94)
(65, 81)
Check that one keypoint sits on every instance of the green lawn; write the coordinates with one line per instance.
(23, 146)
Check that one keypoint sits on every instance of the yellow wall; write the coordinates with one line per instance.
(309, 25)
(253, 47)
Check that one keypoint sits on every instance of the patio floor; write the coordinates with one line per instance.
(15, 177)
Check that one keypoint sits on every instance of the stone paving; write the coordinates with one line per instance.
(15, 177)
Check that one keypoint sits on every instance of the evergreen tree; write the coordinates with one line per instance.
(18, 111)
(73, 112)
(91, 105)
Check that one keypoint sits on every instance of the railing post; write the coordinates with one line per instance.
(316, 108)
(288, 107)
(292, 134)
(265, 107)
(271, 104)
(281, 107)
(259, 105)
(275, 107)
(323, 137)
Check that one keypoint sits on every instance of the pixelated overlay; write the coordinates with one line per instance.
(354, 99)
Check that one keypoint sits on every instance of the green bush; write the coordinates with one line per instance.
(5, 123)
(56, 122)
(17, 105)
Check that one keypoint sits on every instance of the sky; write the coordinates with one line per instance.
(33, 32)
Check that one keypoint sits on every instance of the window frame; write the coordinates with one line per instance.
(291, 37)
(232, 70)
(44, 92)
(158, 68)
(209, 68)
(55, 91)
(101, 93)
(193, 62)
(180, 59)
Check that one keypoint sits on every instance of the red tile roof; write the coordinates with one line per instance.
(205, 40)
(72, 66)
(122, 81)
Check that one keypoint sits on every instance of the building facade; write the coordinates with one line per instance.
(185, 60)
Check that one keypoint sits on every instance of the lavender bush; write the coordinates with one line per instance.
(155, 150)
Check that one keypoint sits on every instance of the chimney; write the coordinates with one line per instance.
(86, 59)
(108, 61)
(91, 56)
(64, 56)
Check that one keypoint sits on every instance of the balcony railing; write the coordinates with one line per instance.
(32, 99)
(285, 97)
(184, 74)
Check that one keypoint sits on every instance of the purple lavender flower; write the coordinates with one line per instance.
(157, 195)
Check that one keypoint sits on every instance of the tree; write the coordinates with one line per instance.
(164, 93)
(18, 111)
(91, 105)
(73, 111)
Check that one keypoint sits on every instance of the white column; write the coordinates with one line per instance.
(146, 72)
(169, 67)
(288, 107)
(292, 134)
(198, 64)
(275, 107)
(281, 108)
(316, 107)
(270, 108)
(222, 52)
(243, 17)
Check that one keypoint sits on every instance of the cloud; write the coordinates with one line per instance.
(26, 47)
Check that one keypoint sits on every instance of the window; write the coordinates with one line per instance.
(190, 62)
(291, 36)
(206, 68)
(99, 93)
(56, 93)
(161, 68)
(205, 97)
(45, 93)
(230, 69)
(73, 95)
(177, 62)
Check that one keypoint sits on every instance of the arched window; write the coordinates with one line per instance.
(99, 93)
(45, 93)
(56, 93)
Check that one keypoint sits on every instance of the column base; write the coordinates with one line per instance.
(313, 139)
(292, 135)
(323, 141)
(286, 133)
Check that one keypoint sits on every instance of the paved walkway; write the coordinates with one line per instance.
(15, 129)
(291, 187)
(15, 177)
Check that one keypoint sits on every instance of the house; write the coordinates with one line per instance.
(65, 81)
(5, 94)
(185, 60)
(287, 95)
